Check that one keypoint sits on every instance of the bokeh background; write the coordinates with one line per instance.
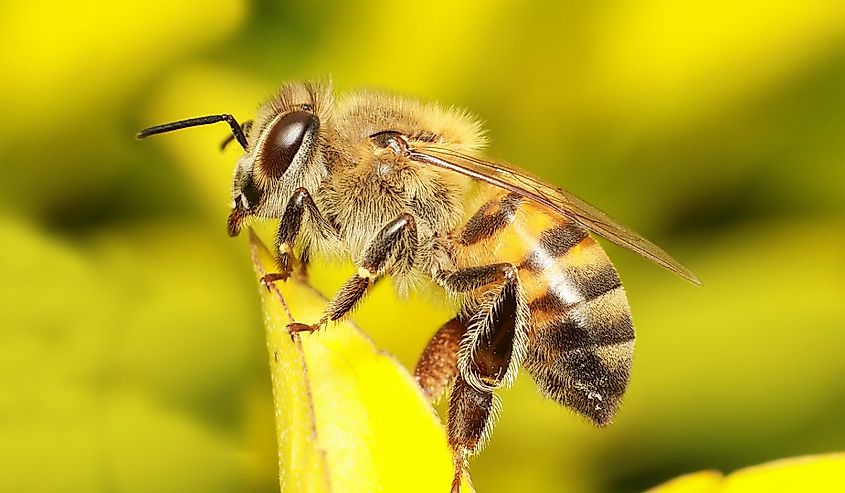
(131, 347)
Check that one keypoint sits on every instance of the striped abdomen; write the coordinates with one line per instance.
(580, 335)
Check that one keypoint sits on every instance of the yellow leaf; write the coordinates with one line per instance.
(697, 482)
(812, 473)
(819, 473)
(349, 418)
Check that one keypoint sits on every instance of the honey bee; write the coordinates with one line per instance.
(403, 189)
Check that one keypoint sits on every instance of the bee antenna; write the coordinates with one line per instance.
(237, 131)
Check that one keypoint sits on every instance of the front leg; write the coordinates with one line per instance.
(289, 228)
(397, 240)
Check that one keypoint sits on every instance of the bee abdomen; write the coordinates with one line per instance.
(581, 338)
(580, 334)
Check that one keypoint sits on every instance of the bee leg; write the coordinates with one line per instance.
(471, 412)
(301, 271)
(289, 228)
(397, 240)
(438, 363)
(491, 351)
(472, 278)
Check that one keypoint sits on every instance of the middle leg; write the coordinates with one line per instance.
(396, 241)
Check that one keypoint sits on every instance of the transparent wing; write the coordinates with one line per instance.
(559, 200)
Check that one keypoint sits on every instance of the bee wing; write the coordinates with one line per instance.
(557, 199)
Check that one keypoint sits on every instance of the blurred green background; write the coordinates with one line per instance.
(131, 347)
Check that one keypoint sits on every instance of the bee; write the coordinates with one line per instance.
(402, 187)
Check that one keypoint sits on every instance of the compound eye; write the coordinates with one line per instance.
(284, 141)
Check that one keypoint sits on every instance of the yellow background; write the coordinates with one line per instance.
(131, 348)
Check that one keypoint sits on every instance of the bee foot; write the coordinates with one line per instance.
(458, 461)
(269, 279)
(296, 328)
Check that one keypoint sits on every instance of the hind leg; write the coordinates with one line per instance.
(438, 363)
(471, 415)
(490, 351)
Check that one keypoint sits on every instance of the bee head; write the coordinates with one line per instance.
(283, 151)
(280, 153)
